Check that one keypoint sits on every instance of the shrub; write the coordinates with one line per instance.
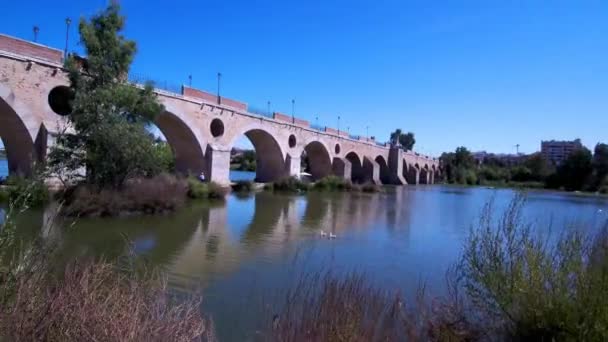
(157, 195)
(522, 287)
(290, 184)
(326, 307)
(95, 301)
(29, 192)
(207, 190)
(333, 183)
(243, 186)
(3, 195)
(370, 187)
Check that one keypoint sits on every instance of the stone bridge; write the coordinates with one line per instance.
(200, 127)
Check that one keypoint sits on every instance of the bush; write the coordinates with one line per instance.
(3, 195)
(207, 190)
(157, 195)
(290, 184)
(95, 301)
(370, 187)
(243, 186)
(29, 192)
(333, 183)
(522, 287)
(325, 307)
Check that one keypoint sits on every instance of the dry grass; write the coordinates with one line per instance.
(330, 308)
(95, 302)
(161, 194)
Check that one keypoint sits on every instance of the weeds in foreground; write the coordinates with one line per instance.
(88, 300)
(157, 195)
(290, 184)
(200, 190)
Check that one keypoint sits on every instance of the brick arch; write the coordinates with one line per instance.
(185, 140)
(270, 156)
(385, 173)
(20, 130)
(356, 161)
(319, 159)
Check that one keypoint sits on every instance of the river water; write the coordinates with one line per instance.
(242, 253)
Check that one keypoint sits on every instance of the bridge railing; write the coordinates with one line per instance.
(258, 111)
(318, 127)
(158, 84)
(354, 137)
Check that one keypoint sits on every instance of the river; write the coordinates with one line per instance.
(244, 252)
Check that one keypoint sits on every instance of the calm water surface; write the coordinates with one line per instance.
(244, 252)
(3, 168)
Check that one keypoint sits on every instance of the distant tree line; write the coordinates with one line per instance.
(581, 171)
(243, 160)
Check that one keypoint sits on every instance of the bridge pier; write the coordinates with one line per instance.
(371, 171)
(218, 165)
(292, 166)
(342, 168)
(412, 175)
(395, 166)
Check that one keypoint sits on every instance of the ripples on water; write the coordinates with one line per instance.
(249, 248)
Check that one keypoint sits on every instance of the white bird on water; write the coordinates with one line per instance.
(323, 233)
(332, 235)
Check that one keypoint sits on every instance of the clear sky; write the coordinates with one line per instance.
(483, 74)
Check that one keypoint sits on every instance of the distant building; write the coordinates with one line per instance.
(556, 151)
(506, 159)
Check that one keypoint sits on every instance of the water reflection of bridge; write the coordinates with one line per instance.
(205, 241)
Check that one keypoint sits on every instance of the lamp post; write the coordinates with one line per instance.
(367, 133)
(36, 30)
(293, 110)
(68, 21)
(268, 103)
(219, 98)
(338, 124)
(190, 81)
(317, 121)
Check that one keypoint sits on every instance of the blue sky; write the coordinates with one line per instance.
(483, 74)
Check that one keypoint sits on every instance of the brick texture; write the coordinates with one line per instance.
(24, 48)
(203, 95)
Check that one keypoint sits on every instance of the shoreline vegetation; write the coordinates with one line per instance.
(582, 171)
(508, 284)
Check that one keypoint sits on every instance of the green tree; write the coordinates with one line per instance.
(538, 166)
(459, 166)
(575, 172)
(600, 164)
(407, 140)
(109, 115)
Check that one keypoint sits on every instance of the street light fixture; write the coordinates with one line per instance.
(338, 124)
(293, 111)
(36, 30)
(268, 103)
(68, 21)
(190, 81)
(219, 98)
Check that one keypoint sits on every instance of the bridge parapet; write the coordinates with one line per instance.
(30, 49)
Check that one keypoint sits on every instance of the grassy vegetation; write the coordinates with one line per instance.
(290, 184)
(509, 285)
(200, 190)
(89, 300)
(33, 191)
(157, 195)
(243, 186)
(333, 183)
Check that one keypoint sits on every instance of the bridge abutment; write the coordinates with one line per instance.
(395, 166)
(371, 171)
(218, 165)
(342, 168)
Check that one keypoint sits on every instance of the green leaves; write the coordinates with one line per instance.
(109, 114)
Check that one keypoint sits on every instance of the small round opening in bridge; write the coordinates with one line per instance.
(60, 100)
(217, 128)
(337, 149)
(292, 141)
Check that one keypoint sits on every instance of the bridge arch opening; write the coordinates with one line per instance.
(411, 173)
(60, 100)
(269, 164)
(319, 160)
(385, 173)
(187, 151)
(18, 145)
(357, 175)
(424, 175)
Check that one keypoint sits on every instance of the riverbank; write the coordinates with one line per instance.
(319, 302)
(525, 186)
